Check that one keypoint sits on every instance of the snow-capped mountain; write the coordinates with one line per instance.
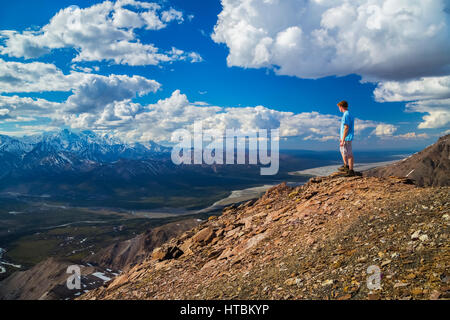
(85, 168)
(14, 145)
(67, 150)
(90, 146)
(12, 151)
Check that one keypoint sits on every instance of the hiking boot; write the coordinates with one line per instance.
(343, 169)
(350, 173)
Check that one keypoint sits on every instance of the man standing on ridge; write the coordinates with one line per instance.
(346, 138)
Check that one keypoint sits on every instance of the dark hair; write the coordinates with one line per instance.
(343, 104)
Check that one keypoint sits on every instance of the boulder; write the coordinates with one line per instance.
(166, 253)
(204, 236)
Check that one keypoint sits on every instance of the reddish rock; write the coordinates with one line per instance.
(204, 236)
(166, 253)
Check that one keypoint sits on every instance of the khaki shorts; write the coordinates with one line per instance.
(346, 149)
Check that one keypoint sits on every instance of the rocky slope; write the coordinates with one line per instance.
(126, 254)
(429, 167)
(310, 242)
(47, 279)
(35, 283)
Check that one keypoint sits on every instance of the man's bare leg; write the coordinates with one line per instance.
(350, 163)
(344, 158)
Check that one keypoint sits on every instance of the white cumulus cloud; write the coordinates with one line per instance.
(421, 89)
(400, 44)
(106, 104)
(90, 93)
(98, 91)
(136, 122)
(377, 39)
(430, 95)
(413, 136)
(382, 130)
(437, 112)
(36, 77)
(25, 108)
(102, 32)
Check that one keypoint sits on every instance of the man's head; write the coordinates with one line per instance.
(343, 106)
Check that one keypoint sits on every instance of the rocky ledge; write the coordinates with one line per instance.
(310, 242)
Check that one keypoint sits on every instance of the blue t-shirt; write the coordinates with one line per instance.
(347, 119)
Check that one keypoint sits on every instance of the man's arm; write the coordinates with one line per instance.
(344, 135)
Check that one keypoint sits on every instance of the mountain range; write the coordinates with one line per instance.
(86, 168)
(82, 165)
(67, 150)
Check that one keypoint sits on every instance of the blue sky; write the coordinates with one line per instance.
(271, 58)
